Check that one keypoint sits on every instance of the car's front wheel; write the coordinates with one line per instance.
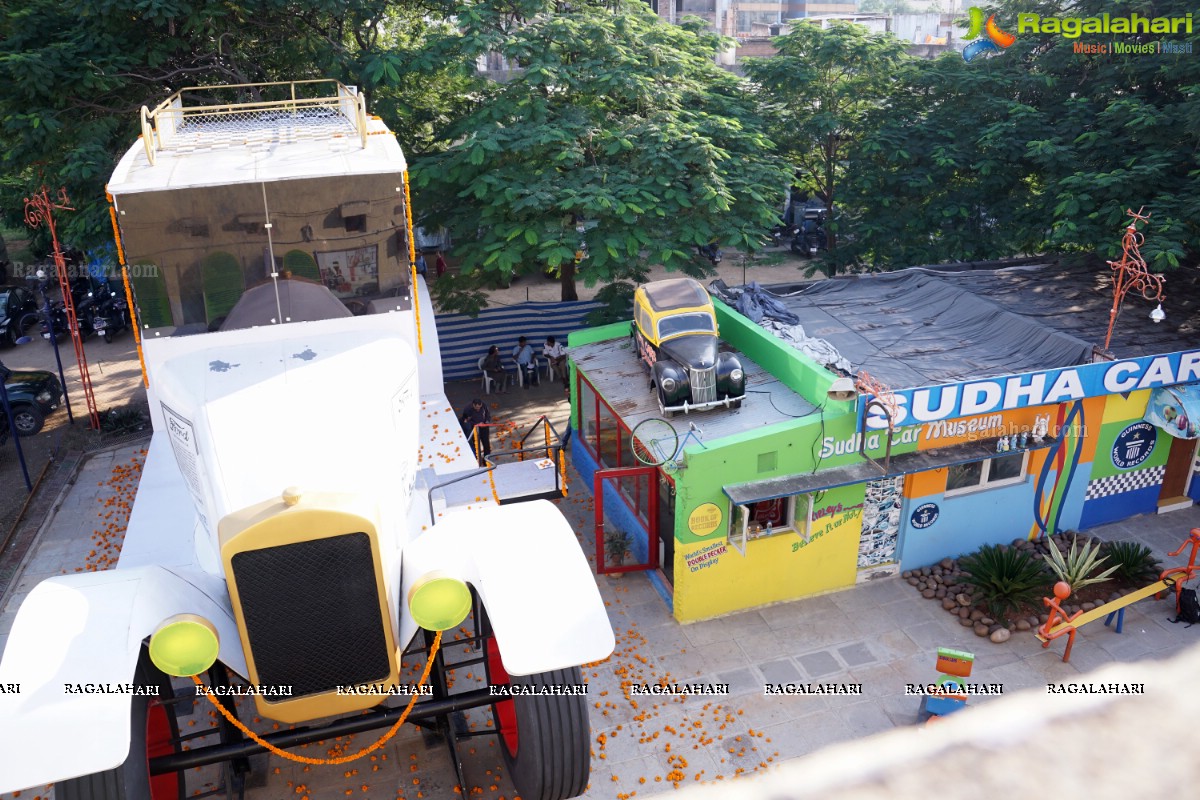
(153, 732)
(544, 738)
(28, 420)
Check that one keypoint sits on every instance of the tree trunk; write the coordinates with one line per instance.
(567, 281)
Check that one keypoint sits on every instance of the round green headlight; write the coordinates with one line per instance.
(439, 602)
(184, 645)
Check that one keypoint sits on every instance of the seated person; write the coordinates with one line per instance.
(523, 355)
(556, 354)
(495, 368)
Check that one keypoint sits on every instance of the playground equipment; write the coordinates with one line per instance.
(1059, 624)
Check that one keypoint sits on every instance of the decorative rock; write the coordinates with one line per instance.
(1088, 606)
(1001, 635)
(906, 574)
(987, 621)
(912, 581)
(947, 563)
(965, 613)
(924, 572)
(1018, 543)
(966, 623)
(994, 627)
(939, 580)
(981, 630)
(976, 615)
(1035, 620)
(1023, 625)
(949, 604)
(940, 592)
(928, 594)
(1043, 619)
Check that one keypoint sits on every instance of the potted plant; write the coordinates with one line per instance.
(616, 547)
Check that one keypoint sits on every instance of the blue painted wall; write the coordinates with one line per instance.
(966, 523)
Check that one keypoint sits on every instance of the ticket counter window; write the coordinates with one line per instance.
(768, 518)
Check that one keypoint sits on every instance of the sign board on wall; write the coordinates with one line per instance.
(1134, 445)
(1047, 387)
(925, 515)
(704, 519)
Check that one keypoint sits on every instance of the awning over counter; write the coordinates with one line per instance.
(1176, 409)
(904, 464)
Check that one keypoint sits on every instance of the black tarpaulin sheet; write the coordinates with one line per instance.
(910, 329)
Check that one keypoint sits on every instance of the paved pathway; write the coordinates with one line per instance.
(880, 635)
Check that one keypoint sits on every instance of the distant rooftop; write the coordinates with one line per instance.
(246, 133)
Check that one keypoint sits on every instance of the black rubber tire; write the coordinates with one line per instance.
(108, 337)
(552, 756)
(131, 780)
(27, 419)
(736, 403)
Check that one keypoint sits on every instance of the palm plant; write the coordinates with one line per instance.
(1079, 564)
(1004, 579)
(1134, 563)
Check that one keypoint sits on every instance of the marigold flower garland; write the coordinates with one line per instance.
(237, 723)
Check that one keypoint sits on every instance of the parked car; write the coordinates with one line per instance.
(674, 332)
(32, 394)
(18, 311)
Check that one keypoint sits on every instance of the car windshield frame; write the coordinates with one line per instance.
(673, 325)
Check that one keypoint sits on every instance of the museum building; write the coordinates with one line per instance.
(1007, 420)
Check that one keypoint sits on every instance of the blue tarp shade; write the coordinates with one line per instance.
(1176, 409)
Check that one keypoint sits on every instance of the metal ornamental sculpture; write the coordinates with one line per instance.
(1131, 273)
(879, 395)
(39, 210)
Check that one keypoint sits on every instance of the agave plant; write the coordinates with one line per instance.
(1079, 564)
(1004, 579)
(1134, 563)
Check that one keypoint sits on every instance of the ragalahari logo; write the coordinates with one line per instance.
(996, 41)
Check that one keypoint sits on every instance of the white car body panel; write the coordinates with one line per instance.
(86, 629)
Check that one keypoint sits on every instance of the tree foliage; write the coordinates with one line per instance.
(616, 137)
(73, 74)
(1038, 148)
(826, 89)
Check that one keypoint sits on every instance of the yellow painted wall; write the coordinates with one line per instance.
(780, 567)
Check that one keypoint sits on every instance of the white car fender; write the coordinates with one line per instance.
(530, 573)
(73, 636)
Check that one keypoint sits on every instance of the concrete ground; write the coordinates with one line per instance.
(878, 636)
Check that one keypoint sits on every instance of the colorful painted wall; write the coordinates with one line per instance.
(1125, 476)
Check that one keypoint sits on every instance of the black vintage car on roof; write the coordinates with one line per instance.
(675, 332)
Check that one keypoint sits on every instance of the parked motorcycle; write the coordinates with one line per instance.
(811, 238)
(712, 252)
(110, 312)
(781, 232)
(83, 293)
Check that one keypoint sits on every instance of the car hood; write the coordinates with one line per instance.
(27, 379)
(692, 351)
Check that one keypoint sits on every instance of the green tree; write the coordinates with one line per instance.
(73, 74)
(616, 138)
(826, 87)
(1038, 148)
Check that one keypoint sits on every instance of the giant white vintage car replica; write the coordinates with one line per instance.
(307, 550)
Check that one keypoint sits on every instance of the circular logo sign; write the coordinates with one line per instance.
(704, 519)
(925, 515)
(1134, 445)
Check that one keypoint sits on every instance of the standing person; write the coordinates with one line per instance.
(556, 354)
(523, 355)
(472, 418)
(495, 368)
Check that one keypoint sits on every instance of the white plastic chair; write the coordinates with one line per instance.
(488, 380)
(550, 371)
(521, 376)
